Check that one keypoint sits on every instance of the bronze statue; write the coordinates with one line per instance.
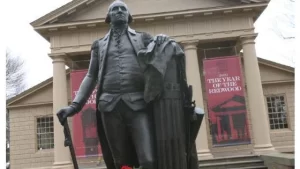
(143, 113)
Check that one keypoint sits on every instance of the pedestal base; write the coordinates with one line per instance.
(63, 165)
(264, 149)
(204, 154)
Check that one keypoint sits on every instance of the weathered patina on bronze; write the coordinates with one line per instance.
(144, 109)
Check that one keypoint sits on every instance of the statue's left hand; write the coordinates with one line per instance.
(160, 39)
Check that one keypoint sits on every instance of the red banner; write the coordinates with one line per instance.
(226, 101)
(85, 137)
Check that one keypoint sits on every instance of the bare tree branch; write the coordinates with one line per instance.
(283, 25)
(15, 84)
(15, 75)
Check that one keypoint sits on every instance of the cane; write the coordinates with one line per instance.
(68, 143)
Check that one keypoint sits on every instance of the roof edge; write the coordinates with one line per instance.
(276, 65)
(31, 90)
(58, 12)
(78, 3)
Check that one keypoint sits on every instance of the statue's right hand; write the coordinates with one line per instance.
(64, 113)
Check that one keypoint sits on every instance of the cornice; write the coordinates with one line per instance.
(67, 9)
(248, 39)
(57, 55)
(33, 105)
(277, 82)
(190, 44)
(146, 18)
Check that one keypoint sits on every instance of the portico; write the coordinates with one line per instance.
(71, 34)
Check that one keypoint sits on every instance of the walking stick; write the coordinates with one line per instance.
(68, 143)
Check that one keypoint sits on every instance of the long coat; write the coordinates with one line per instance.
(166, 89)
(138, 40)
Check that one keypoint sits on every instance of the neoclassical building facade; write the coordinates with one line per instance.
(205, 29)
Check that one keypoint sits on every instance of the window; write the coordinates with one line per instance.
(277, 112)
(45, 135)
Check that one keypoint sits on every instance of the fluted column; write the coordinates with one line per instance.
(60, 100)
(259, 118)
(194, 79)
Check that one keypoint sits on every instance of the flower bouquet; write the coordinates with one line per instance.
(127, 167)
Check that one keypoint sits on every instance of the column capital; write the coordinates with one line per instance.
(58, 57)
(191, 44)
(248, 39)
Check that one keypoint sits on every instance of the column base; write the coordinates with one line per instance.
(63, 165)
(204, 154)
(264, 149)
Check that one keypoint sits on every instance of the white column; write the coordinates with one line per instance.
(194, 79)
(60, 100)
(259, 118)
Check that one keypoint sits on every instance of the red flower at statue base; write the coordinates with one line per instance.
(125, 167)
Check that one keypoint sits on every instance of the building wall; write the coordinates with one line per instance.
(283, 139)
(23, 146)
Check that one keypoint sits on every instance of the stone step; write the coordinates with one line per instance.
(229, 158)
(254, 167)
(89, 162)
(241, 166)
(232, 164)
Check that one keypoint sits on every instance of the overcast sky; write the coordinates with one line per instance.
(274, 25)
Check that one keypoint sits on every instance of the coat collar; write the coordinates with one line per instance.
(131, 31)
(107, 35)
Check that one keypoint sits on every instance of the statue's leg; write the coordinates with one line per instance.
(140, 125)
(194, 158)
(118, 137)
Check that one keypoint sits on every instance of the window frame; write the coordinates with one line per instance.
(36, 132)
(286, 111)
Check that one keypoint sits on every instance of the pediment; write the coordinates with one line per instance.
(144, 7)
(272, 74)
(87, 10)
(39, 94)
(43, 95)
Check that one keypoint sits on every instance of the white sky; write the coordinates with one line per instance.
(23, 41)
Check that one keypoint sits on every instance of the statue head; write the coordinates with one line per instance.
(118, 13)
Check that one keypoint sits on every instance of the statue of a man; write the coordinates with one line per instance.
(122, 113)
(143, 101)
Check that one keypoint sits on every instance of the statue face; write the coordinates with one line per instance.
(118, 13)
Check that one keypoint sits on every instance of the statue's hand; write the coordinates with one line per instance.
(160, 39)
(64, 113)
